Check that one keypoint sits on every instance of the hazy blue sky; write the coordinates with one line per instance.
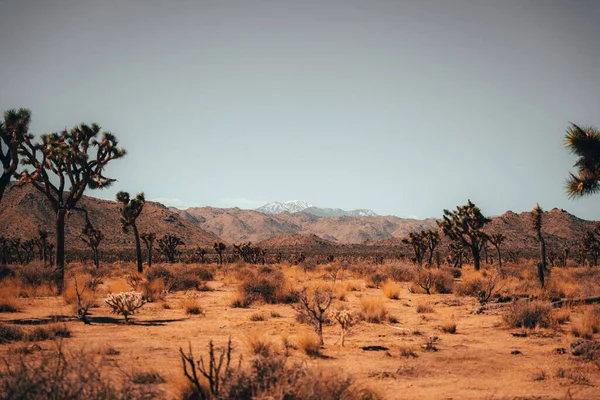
(403, 107)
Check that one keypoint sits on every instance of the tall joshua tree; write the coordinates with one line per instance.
(418, 243)
(465, 225)
(148, 239)
(496, 240)
(130, 211)
(536, 223)
(432, 238)
(42, 242)
(62, 166)
(13, 130)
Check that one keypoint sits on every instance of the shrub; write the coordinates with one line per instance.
(423, 308)
(562, 315)
(391, 290)
(448, 327)
(400, 272)
(9, 297)
(523, 314)
(10, 333)
(373, 309)
(257, 317)
(588, 325)
(443, 282)
(125, 303)
(310, 344)
(268, 285)
(262, 346)
(470, 286)
(146, 378)
(60, 375)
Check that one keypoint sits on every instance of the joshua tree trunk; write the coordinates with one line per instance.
(60, 248)
(138, 248)
(499, 257)
(476, 257)
(542, 265)
(149, 257)
(96, 258)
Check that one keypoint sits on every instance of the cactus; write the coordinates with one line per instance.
(167, 246)
(346, 321)
(13, 130)
(125, 303)
(148, 239)
(62, 166)
(130, 211)
(465, 227)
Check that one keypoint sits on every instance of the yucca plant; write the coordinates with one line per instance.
(148, 239)
(536, 223)
(418, 242)
(130, 211)
(465, 225)
(92, 237)
(13, 130)
(584, 142)
(496, 240)
(220, 248)
(167, 245)
(62, 166)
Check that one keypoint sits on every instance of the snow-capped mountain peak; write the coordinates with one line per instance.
(291, 206)
(295, 206)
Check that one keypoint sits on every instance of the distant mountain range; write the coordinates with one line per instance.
(295, 206)
(24, 210)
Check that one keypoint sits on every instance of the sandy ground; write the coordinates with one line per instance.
(474, 363)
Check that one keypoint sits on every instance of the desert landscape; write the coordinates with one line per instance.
(444, 239)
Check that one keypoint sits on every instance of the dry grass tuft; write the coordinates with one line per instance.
(373, 309)
(588, 325)
(391, 290)
(448, 327)
(262, 346)
(309, 343)
(9, 296)
(424, 308)
(524, 314)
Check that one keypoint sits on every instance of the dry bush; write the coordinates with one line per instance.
(561, 315)
(52, 331)
(191, 304)
(373, 309)
(340, 292)
(448, 327)
(589, 324)
(81, 293)
(268, 285)
(400, 272)
(9, 296)
(261, 346)
(153, 290)
(346, 320)
(423, 308)
(443, 281)
(272, 377)
(312, 307)
(146, 378)
(470, 286)
(391, 290)
(525, 314)
(60, 375)
(353, 285)
(11, 333)
(36, 280)
(309, 343)
(256, 317)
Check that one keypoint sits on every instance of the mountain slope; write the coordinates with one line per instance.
(24, 210)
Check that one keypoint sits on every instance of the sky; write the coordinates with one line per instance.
(402, 107)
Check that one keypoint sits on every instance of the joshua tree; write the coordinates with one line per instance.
(148, 239)
(12, 134)
(200, 252)
(585, 143)
(465, 225)
(219, 248)
(28, 247)
(42, 243)
(313, 306)
(167, 245)
(62, 166)
(496, 240)
(432, 239)
(248, 253)
(418, 242)
(536, 223)
(455, 254)
(92, 237)
(130, 211)
(591, 246)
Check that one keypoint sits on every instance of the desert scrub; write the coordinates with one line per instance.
(125, 303)
(391, 290)
(309, 343)
(10, 333)
(191, 303)
(526, 314)
(268, 285)
(588, 325)
(9, 296)
(423, 308)
(56, 374)
(372, 309)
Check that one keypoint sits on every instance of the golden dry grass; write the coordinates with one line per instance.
(391, 290)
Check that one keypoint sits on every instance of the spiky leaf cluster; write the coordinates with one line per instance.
(584, 142)
(73, 160)
(148, 239)
(130, 208)
(91, 236)
(13, 131)
(536, 219)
